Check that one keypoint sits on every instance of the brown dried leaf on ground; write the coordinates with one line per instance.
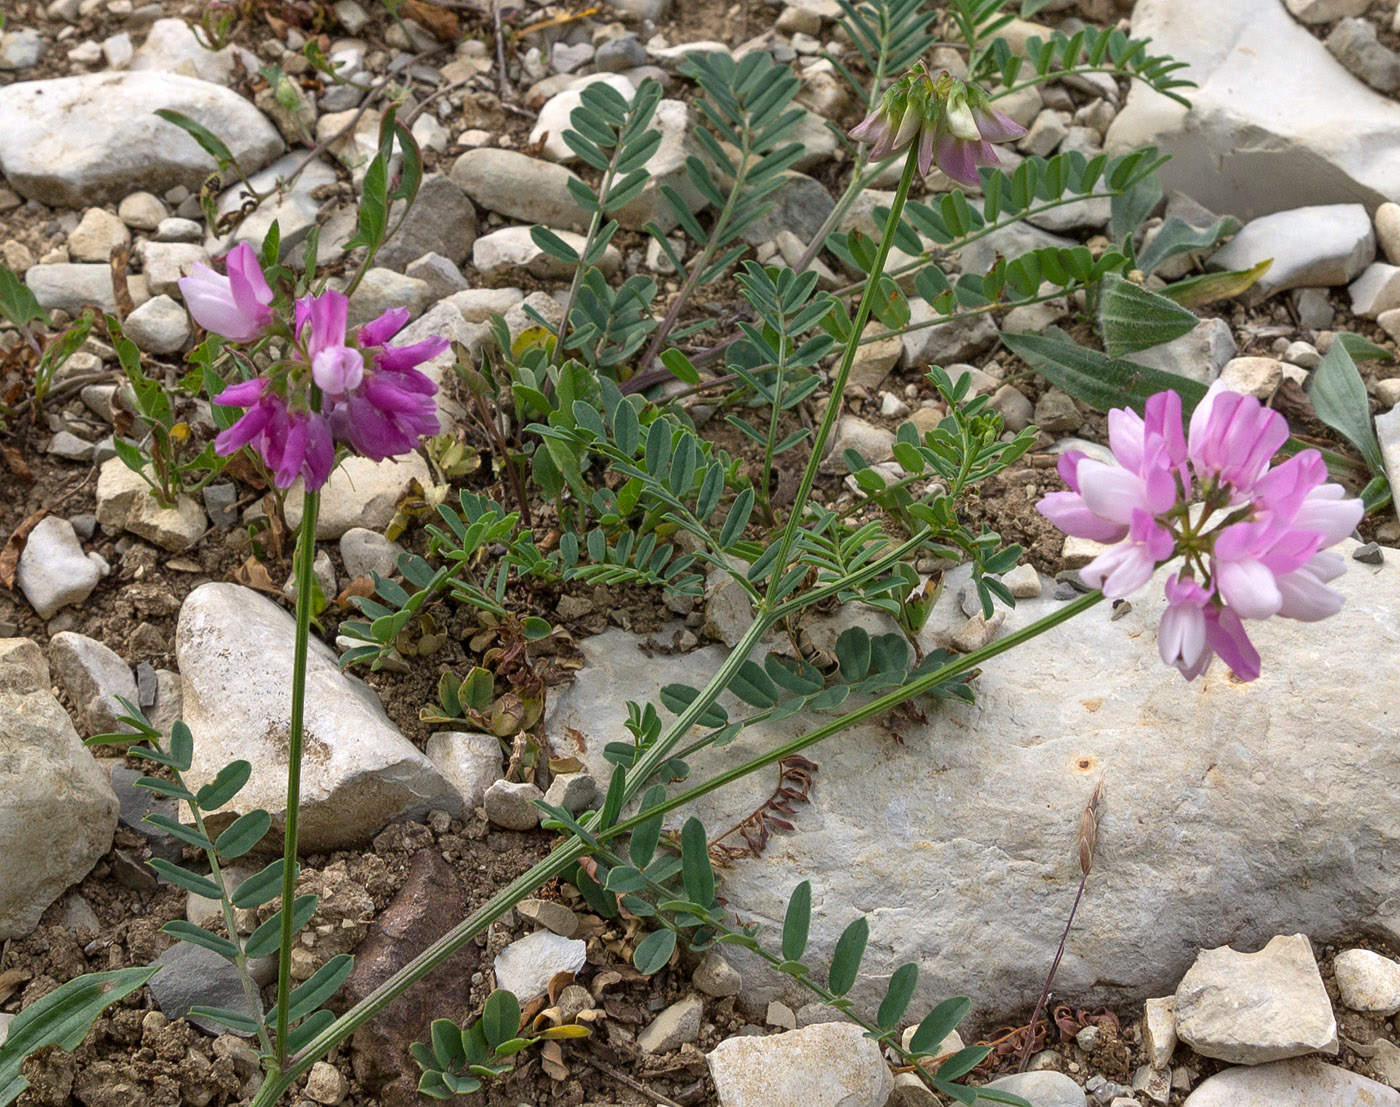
(14, 546)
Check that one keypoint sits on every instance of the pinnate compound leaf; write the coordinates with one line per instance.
(62, 1018)
(654, 951)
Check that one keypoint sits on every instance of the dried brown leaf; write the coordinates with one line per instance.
(14, 546)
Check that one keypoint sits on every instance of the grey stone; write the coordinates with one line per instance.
(477, 305)
(442, 277)
(137, 803)
(1315, 310)
(175, 229)
(45, 846)
(1305, 1080)
(512, 805)
(53, 571)
(511, 252)
(360, 493)
(800, 205)
(234, 649)
(829, 1064)
(64, 286)
(574, 792)
(142, 211)
(381, 289)
(441, 220)
(527, 965)
(164, 263)
(674, 1027)
(21, 49)
(1376, 291)
(159, 326)
(367, 551)
(192, 976)
(1353, 42)
(1324, 245)
(1042, 1089)
(1325, 11)
(945, 343)
(1200, 354)
(171, 46)
(70, 447)
(1159, 1031)
(1248, 1008)
(621, 53)
(111, 142)
(293, 210)
(1261, 134)
(519, 187)
(219, 501)
(470, 761)
(96, 236)
(94, 676)
(715, 976)
(553, 916)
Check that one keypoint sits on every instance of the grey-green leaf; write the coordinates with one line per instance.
(846, 958)
(654, 951)
(1135, 319)
(797, 922)
(1339, 398)
(62, 1018)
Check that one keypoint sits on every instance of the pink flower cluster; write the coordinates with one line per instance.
(953, 122)
(1253, 536)
(366, 393)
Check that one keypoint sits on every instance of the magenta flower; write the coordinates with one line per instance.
(952, 120)
(1252, 536)
(292, 443)
(235, 306)
(336, 388)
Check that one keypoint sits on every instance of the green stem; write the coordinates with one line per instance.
(843, 372)
(558, 862)
(305, 584)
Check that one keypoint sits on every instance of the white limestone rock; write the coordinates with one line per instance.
(1293, 749)
(53, 571)
(1306, 1080)
(94, 676)
(1323, 245)
(72, 141)
(234, 648)
(1261, 134)
(527, 965)
(360, 493)
(1368, 981)
(1200, 354)
(1248, 1008)
(831, 1064)
(60, 812)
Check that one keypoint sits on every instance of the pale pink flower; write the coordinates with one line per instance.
(1252, 535)
(236, 306)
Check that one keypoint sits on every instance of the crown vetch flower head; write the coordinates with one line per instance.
(1253, 537)
(953, 122)
(236, 306)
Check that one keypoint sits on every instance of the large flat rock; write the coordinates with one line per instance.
(77, 141)
(1231, 812)
(358, 771)
(1276, 123)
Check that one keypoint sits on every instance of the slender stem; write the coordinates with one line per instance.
(1049, 979)
(565, 855)
(843, 372)
(305, 583)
